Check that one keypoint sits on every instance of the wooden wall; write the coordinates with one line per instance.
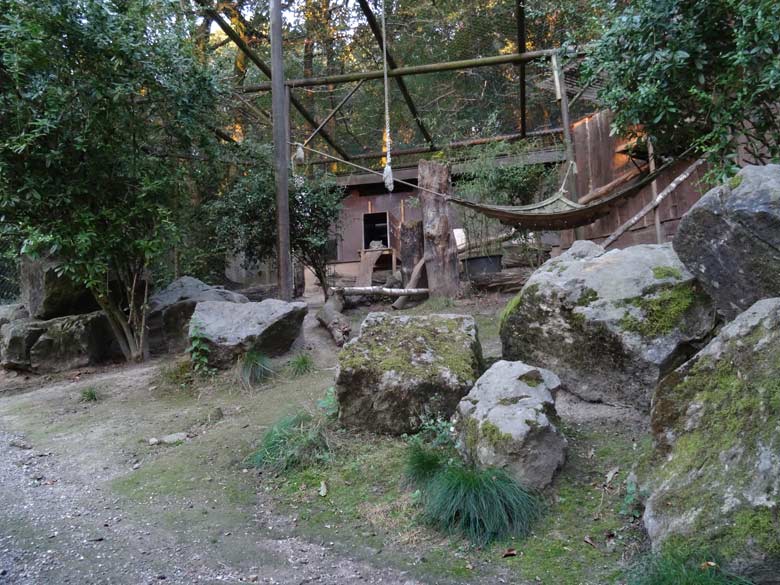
(598, 163)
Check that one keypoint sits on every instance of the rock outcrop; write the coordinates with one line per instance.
(610, 324)
(57, 345)
(231, 329)
(10, 313)
(716, 422)
(507, 420)
(46, 295)
(403, 367)
(171, 308)
(730, 240)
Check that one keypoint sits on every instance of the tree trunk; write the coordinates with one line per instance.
(330, 316)
(417, 276)
(412, 249)
(441, 252)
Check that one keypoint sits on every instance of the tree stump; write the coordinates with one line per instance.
(441, 251)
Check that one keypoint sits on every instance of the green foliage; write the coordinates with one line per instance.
(660, 313)
(329, 404)
(300, 365)
(482, 505)
(679, 566)
(199, 351)
(423, 462)
(632, 505)
(97, 99)
(89, 395)
(661, 272)
(294, 441)
(314, 209)
(697, 72)
(254, 368)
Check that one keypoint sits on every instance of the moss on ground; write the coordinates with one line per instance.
(524, 295)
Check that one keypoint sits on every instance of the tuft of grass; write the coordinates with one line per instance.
(254, 369)
(294, 441)
(483, 505)
(301, 365)
(89, 395)
(680, 566)
(423, 462)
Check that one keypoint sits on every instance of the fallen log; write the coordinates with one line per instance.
(381, 290)
(330, 316)
(507, 281)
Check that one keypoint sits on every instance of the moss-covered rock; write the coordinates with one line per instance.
(610, 324)
(508, 420)
(401, 368)
(731, 239)
(716, 423)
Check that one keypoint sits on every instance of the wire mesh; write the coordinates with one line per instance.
(9, 281)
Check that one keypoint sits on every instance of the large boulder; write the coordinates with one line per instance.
(10, 313)
(57, 345)
(46, 294)
(74, 342)
(507, 420)
(731, 239)
(716, 422)
(402, 368)
(231, 329)
(171, 308)
(610, 324)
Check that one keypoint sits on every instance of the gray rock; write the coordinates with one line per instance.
(232, 329)
(715, 479)
(402, 367)
(59, 344)
(47, 295)
(507, 420)
(610, 324)
(172, 439)
(74, 342)
(730, 240)
(171, 308)
(16, 340)
(10, 313)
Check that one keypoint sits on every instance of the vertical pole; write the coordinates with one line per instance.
(659, 235)
(280, 113)
(521, 44)
(563, 101)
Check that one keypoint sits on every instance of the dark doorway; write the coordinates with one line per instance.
(375, 229)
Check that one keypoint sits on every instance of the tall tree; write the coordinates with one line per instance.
(99, 99)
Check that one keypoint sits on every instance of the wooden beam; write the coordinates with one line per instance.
(521, 42)
(374, 26)
(280, 114)
(415, 70)
(653, 204)
(381, 290)
(252, 56)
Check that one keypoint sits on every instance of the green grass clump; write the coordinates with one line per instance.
(301, 365)
(89, 395)
(294, 441)
(254, 369)
(482, 505)
(681, 567)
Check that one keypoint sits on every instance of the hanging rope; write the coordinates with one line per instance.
(387, 175)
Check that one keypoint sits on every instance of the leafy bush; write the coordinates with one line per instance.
(680, 566)
(301, 365)
(199, 351)
(254, 368)
(294, 441)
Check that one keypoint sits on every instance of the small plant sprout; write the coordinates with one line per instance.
(301, 365)
(89, 395)
(199, 351)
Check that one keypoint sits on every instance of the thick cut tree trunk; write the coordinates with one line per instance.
(412, 249)
(441, 252)
(330, 316)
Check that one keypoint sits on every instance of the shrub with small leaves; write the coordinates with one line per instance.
(199, 351)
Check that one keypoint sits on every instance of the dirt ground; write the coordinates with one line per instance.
(85, 498)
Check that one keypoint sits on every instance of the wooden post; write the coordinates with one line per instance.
(441, 251)
(520, 17)
(280, 113)
(563, 101)
(659, 236)
(411, 249)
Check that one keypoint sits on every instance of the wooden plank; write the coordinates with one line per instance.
(281, 125)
